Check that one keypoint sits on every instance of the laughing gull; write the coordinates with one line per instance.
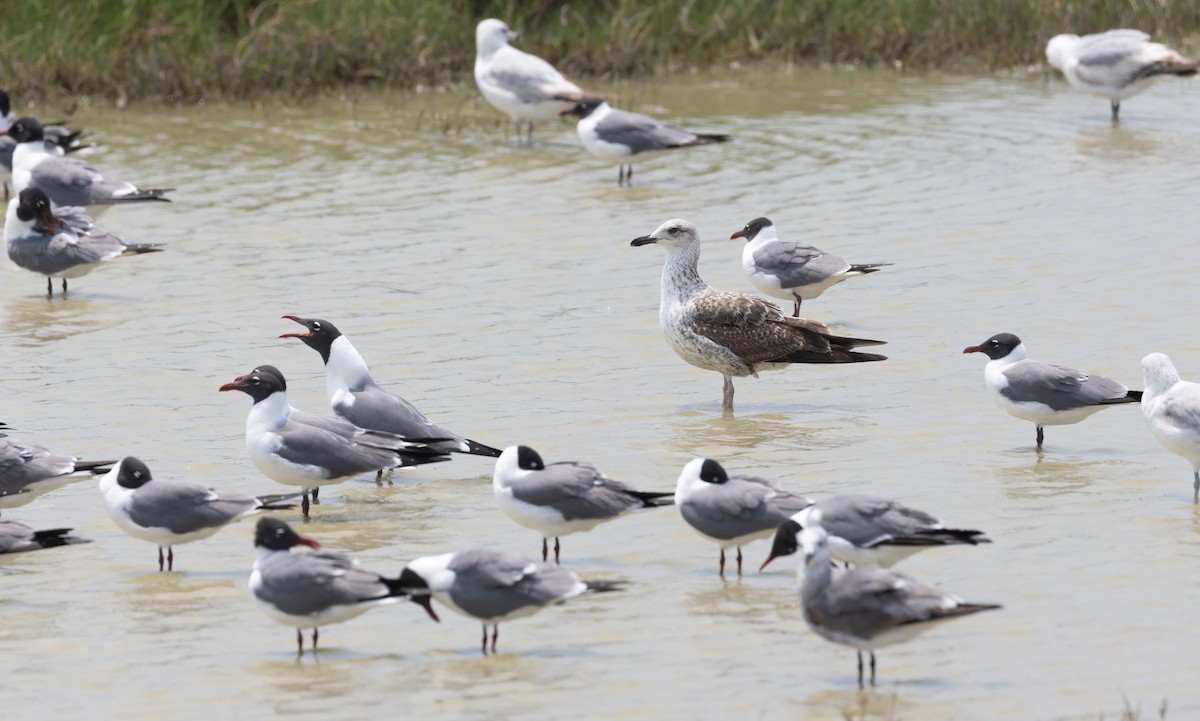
(300, 454)
(68, 181)
(562, 498)
(868, 607)
(518, 84)
(35, 470)
(1172, 410)
(16, 537)
(308, 590)
(494, 586)
(1043, 393)
(617, 135)
(734, 334)
(870, 531)
(59, 140)
(732, 510)
(63, 244)
(792, 271)
(1116, 64)
(355, 396)
(171, 513)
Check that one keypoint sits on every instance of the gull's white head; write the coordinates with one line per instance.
(814, 543)
(1058, 48)
(1158, 374)
(673, 234)
(491, 35)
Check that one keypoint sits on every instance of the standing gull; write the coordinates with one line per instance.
(170, 513)
(68, 181)
(1172, 410)
(868, 607)
(562, 498)
(59, 140)
(617, 135)
(16, 537)
(518, 84)
(308, 590)
(870, 531)
(732, 510)
(1043, 393)
(62, 244)
(792, 271)
(355, 396)
(304, 455)
(1116, 64)
(734, 334)
(494, 586)
(28, 471)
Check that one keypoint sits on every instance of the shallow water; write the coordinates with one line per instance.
(495, 287)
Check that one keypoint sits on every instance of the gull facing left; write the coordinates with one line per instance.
(734, 334)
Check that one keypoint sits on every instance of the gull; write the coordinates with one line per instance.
(355, 396)
(28, 471)
(732, 510)
(170, 512)
(59, 244)
(518, 84)
(868, 607)
(562, 498)
(870, 531)
(1043, 393)
(59, 140)
(300, 454)
(618, 135)
(1116, 64)
(1172, 410)
(734, 334)
(309, 590)
(792, 271)
(494, 586)
(16, 537)
(68, 181)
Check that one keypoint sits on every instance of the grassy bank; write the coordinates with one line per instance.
(186, 49)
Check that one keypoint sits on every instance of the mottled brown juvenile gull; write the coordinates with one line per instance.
(1043, 393)
(734, 334)
(868, 607)
(1172, 410)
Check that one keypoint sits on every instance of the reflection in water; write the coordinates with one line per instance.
(161, 599)
(1039, 475)
(1115, 143)
(696, 430)
(33, 320)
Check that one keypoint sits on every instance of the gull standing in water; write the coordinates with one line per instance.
(734, 334)
(868, 607)
(1116, 64)
(1172, 410)
(789, 270)
(59, 244)
(518, 84)
(1043, 393)
(617, 135)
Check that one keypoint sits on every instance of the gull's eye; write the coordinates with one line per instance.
(316, 326)
(995, 344)
(673, 229)
(254, 380)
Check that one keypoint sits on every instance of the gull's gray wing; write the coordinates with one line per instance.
(741, 506)
(51, 253)
(577, 491)
(306, 583)
(341, 456)
(797, 264)
(867, 601)
(381, 410)
(641, 132)
(16, 537)
(530, 78)
(1058, 387)
(1119, 57)
(21, 464)
(491, 584)
(185, 507)
(866, 521)
(70, 181)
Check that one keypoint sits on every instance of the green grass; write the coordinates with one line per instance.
(187, 49)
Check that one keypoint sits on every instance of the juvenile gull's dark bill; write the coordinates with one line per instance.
(1171, 407)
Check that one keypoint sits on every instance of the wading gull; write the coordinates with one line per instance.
(1172, 410)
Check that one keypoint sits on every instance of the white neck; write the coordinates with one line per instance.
(14, 227)
(346, 369)
(815, 575)
(269, 414)
(1017, 354)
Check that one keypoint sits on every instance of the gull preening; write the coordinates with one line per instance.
(790, 270)
(1116, 64)
(564, 497)
(494, 586)
(618, 135)
(63, 243)
(16, 537)
(169, 513)
(734, 334)
(1172, 410)
(520, 85)
(1043, 393)
(868, 607)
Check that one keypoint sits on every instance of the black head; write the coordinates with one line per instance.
(26, 130)
(529, 460)
(712, 472)
(133, 473)
(584, 107)
(5, 104)
(259, 383)
(418, 590)
(275, 535)
(752, 229)
(33, 204)
(320, 336)
(996, 347)
(785, 541)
